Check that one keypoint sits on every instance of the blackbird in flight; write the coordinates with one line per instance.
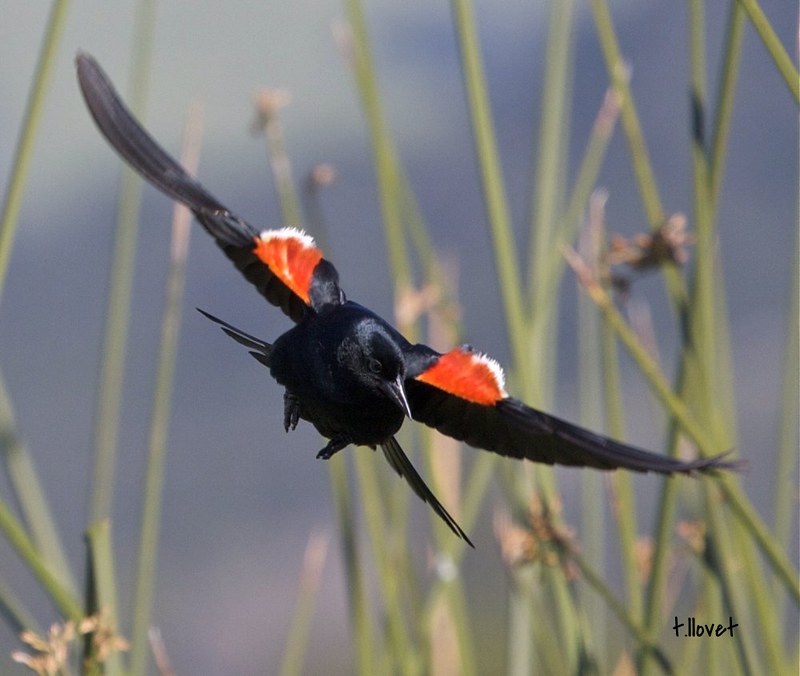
(345, 369)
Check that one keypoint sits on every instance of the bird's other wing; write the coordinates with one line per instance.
(461, 394)
(284, 265)
(402, 465)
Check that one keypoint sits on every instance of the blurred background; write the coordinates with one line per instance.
(242, 497)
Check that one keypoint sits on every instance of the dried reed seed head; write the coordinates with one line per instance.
(668, 244)
(269, 100)
(693, 533)
(517, 544)
(322, 174)
(54, 649)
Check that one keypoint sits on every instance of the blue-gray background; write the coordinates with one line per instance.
(240, 496)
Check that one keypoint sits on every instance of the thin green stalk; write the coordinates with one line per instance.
(493, 190)
(761, 602)
(709, 336)
(784, 509)
(18, 539)
(361, 620)
(551, 149)
(702, 304)
(269, 103)
(723, 561)
(449, 588)
(621, 611)
(731, 57)
(662, 538)
(786, 470)
(763, 606)
(404, 655)
(475, 488)
(103, 592)
(474, 492)
(296, 644)
(452, 550)
(420, 236)
(320, 176)
(23, 154)
(13, 610)
(770, 39)
(109, 391)
(594, 526)
(159, 422)
(640, 158)
(397, 499)
(548, 194)
(621, 483)
(383, 153)
(456, 601)
(522, 658)
(30, 494)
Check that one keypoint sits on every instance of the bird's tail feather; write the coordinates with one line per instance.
(402, 465)
(261, 350)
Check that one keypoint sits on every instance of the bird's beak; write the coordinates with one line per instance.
(397, 393)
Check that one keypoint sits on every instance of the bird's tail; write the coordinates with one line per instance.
(402, 465)
(261, 350)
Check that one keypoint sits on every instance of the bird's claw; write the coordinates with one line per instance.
(333, 446)
(291, 411)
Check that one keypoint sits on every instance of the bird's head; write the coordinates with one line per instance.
(375, 359)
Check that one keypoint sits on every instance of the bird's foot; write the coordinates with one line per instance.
(334, 446)
(291, 411)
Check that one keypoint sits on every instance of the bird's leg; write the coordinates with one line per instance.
(291, 411)
(335, 445)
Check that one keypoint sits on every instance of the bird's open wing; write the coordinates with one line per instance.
(402, 465)
(461, 394)
(284, 265)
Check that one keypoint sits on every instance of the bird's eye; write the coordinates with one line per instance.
(375, 366)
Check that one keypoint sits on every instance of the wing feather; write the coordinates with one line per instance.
(509, 427)
(239, 240)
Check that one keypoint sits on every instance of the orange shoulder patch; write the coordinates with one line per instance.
(291, 255)
(469, 375)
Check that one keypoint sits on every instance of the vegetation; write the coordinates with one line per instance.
(734, 563)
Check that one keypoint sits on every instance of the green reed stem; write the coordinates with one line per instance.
(109, 391)
(782, 60)
(23, 154)
(159, 422)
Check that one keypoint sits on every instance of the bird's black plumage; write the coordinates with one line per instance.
(345, 369)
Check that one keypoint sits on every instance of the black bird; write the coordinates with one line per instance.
(345, 369)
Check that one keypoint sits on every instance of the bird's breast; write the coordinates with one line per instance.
(304, 361)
